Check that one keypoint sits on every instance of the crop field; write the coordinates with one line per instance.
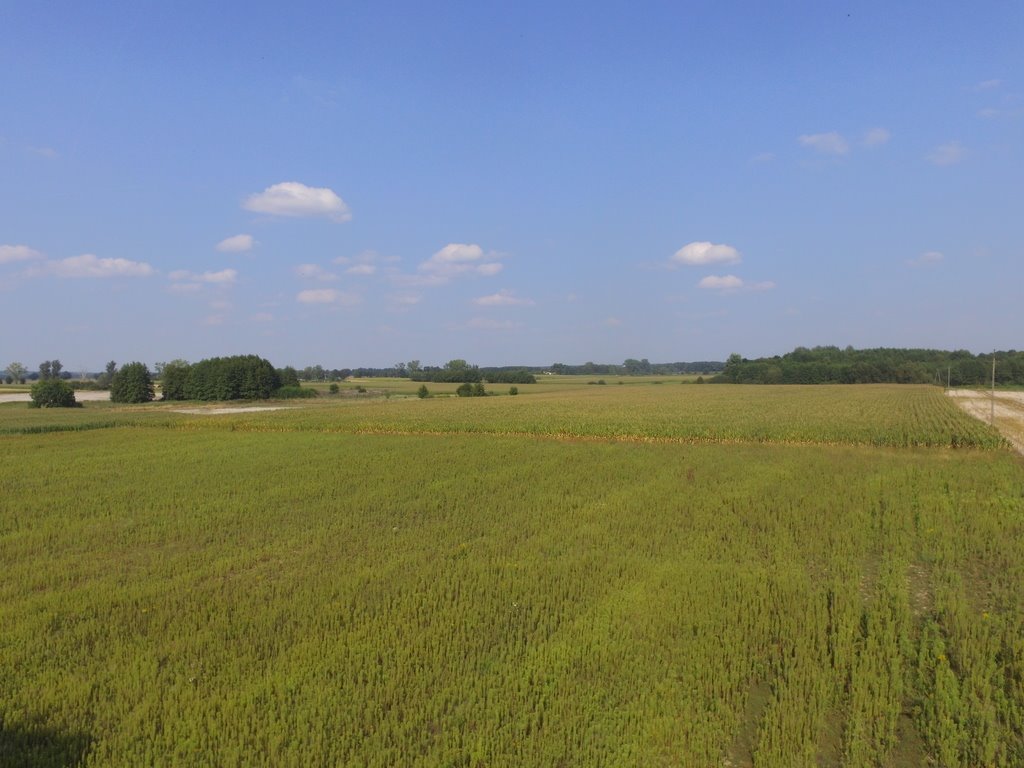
(644, 575)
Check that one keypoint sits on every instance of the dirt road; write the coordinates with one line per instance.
(1009, 411)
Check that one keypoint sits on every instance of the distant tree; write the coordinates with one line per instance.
(55, 368)
(52, 393)
(132, 384)
(422, 392)
(108, 375)
(413, 366)
(333, 389)
(17, 372)
(174, 377)
(289, 376)
(513, 390)
(45, 370)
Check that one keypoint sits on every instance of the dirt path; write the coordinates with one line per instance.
(1009, 411)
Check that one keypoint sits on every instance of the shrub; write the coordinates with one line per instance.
(513, 390)
(333, 389)
(422, 392)
(361, 389)
(132, 384)
(52, 393)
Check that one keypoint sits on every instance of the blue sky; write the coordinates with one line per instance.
(360, 184)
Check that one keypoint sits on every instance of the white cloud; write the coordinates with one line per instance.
(946, 154)
(988, 85)
(327, 296)
(89, 265)
(503, 298)
(926, 259)
(9, 253)
(613, 322)
(731, 284)
(702, 252)
(989, 113)
(876, 137)
(314, 272)
(460, 258)
(405, 300)
(261, 317)
(217, 278)
(236, 244)
(831, 143)
(290, 198)
(361, 269)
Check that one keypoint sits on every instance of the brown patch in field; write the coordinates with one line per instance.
(922, 600)
(741, 753)
(830, 741)
(910, 748)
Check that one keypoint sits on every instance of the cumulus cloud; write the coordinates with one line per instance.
(946, 154)
(290, 198)
(876, 137)
(314, 272)
(702, 252)
(222, 277)
(90, 265)
(11, 253)
(503, 298)
(461, 258)
(361, 269)
(926, 259)
(831, 143)
(236, 244)
(732, 283)
(327, 296)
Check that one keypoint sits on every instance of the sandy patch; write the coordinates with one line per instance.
(218, 411)
(85, 395)
(1009, 411)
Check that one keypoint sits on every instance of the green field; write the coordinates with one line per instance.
(642, 575)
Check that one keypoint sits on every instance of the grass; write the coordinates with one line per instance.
(399, 582)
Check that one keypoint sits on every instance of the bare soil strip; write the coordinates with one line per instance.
(1009, 411)
(81, 395)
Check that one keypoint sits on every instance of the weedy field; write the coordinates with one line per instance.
(619, 575)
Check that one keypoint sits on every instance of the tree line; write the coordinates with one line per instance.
(883, 365)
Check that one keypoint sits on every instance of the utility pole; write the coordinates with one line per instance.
(992, 415)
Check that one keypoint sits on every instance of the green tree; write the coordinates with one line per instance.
(289, 376)
(132, 384)
(108, 375)
(17, 372)
(52, 393)
(422, 392)
(45, 371)
(174, 377)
